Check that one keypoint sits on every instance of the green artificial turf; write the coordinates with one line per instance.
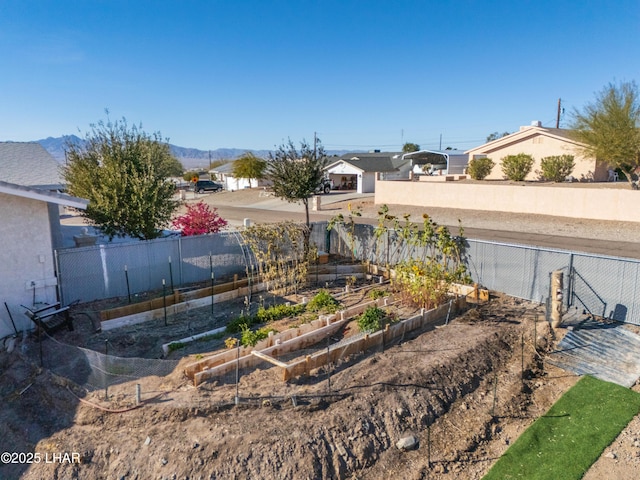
(570, 437)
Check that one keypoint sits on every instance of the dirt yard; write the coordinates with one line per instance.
(463, 392)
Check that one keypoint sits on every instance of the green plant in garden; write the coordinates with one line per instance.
(517, 167)
(424, 284)
(280, 254)
(371, 319)
(435, 259)
(556, 168)
(276, 312)
(264, 315)
(349, 225)
(480, 168)
(236, 325)
(324, 301)
(173, 346)
(250, 337)
(376, 294)
(399, 234)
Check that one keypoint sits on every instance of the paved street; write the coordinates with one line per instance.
(597, 237)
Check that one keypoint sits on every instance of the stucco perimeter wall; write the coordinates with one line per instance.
(577, 202)
(25, 256)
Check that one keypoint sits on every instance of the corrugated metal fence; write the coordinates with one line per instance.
(121, 269)
(606, 286)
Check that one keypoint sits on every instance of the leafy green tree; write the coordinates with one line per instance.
(517, 167)
(496, 135)
(480, 168)
(190, 176)
(610, 127)
(123, 172)
(172, 167)
(557, 168)
(295, 175)
(249, 166)
(410, 147)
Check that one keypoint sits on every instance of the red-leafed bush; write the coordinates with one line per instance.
(199, 219)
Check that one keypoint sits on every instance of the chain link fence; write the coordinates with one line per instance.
(602, 285)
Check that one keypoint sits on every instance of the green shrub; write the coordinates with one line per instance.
(556, 168)
(235, 325)
(276, 312)
(517, 167)
(371, 319)
(480, 168)
(173, 346)
(323, 301)
(376, 294)
(264, 315)
(250, 338)
(425, 284)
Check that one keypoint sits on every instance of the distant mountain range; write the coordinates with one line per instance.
(190, 157)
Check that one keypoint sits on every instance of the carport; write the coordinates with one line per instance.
(453, 162)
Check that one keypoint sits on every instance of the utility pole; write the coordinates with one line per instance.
(440, 147)
(315, 143)
(558, 116)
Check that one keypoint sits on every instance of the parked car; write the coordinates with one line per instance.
(202, 186)
(326, 185)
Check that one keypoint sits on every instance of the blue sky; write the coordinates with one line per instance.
(362, 74)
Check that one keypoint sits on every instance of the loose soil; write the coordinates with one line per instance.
(465, 391)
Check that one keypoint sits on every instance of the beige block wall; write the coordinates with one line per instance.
(25, 256)
(541, 146)
(579, 202)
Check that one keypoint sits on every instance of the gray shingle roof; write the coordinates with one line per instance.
(374, 162)
(43, 195)
(29, 164)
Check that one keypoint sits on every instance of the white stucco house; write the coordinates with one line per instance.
(224, 174)
(30, 201)
(541, 142)
(358, 171)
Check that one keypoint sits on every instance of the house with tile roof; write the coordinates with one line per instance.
(30, 201)
(541, 142)
(358, 171)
